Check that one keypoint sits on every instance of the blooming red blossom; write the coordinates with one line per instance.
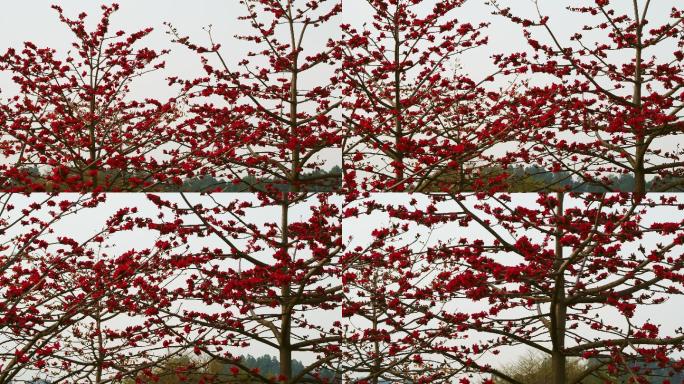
(74, 126)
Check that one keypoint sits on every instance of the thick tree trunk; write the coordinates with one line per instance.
(100, 346)
(639, 174)
(639, 183)
(286, 313)
(558, 310)
(398, 128)
(558, 367)
(375, 370)
(285, 347)
(294, 104)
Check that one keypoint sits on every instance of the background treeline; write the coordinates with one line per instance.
(536, 369)
(319, 181)
(537, 179)
(515, 179)
(327, 181)
(194, 370)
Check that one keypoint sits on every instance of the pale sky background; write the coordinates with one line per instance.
(87, 222)
(35, 21)
(356, 232)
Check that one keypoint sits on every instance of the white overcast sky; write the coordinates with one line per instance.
(355, 232)
(35, 21)
(87, 222)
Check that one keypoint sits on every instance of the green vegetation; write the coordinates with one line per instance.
(535, 369)
(536, 179)
(319, 181)
(187, 370)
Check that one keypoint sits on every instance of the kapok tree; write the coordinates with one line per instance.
(73, 124)
(244, 280)
(289, 126)
(71, 310)
(31, 286)
(614, 103)
(391, 330)
(588, 277)
(412, 123)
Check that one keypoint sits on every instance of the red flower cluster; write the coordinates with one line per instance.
(413, 261)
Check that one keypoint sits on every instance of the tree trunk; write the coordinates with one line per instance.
(285, 347)
(558, 310)
(639, 183)
(558, 367)
(100, 346)
(639, 175)
(375, 370)
(398, 128)
(294, 104)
